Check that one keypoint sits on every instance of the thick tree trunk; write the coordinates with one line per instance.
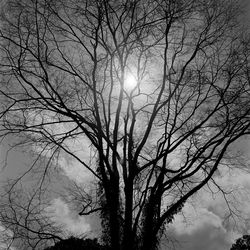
(114, 228)
(128, 237)
(113, 205)
(149, 237)
(149, 240)
(112, 215)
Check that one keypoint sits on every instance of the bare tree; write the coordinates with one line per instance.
(159, 90)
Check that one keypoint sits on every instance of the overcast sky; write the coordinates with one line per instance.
(201, 226)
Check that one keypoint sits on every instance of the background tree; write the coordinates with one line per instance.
(242, 243)
(157, 90)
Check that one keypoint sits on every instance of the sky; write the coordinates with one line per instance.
(202, 223)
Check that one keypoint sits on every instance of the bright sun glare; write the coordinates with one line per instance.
(130, 82)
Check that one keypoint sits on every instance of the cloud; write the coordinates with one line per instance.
(6, 236)
(61, 214)
(74, 169)
(207, 237)
(78, 145)
(235, 200)
(193, 219)
(202, 224)
(198, 228)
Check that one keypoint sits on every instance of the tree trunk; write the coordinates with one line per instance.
(114, 228)
(113, 206)
(128, 238)
(149, 239)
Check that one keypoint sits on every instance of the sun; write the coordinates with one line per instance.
(130, 82)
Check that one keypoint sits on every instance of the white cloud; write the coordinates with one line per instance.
(202, 225)
(236, 184)
(75, 171)
(73, 168)
(6, 238)
(194, 219)
(198, 228)
(61, 214)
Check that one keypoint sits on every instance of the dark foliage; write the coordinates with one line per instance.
(242, 243)
(77, 244)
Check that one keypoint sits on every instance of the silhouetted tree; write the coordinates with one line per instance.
(242, 243)
(158, 90)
